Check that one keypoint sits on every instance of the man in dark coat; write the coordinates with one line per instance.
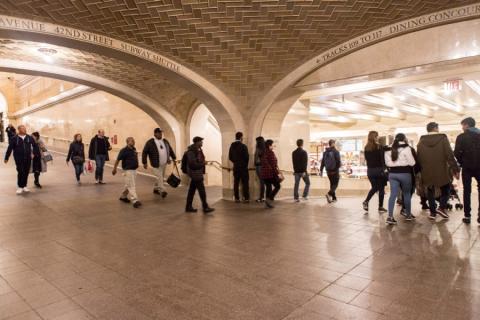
(160, 153)
(300, 170)
(196, 171)
(98, 152)
(238, 155)
(22, 147)
(438, 165)
(331, 162)
(467, 152)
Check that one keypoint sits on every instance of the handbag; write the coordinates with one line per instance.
(47, 156)
(77, 160)
(174, 179)
(280, 177)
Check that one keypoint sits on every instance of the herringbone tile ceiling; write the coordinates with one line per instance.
(175, 99)
(244, 46)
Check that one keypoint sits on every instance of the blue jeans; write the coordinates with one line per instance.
(400, 181)
(306, 179)
(100, 164)
(78, 170)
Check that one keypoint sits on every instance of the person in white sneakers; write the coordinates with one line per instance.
(21, 145)
(400, 158)
(129, 158)
(160, 153)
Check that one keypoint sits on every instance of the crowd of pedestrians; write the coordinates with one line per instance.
(428, 171)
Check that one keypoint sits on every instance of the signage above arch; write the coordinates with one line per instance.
(396, 29)
(19, 24)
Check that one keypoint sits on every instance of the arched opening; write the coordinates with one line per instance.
(59, 109)
(3, 117)
(203, 123)
(345, 99)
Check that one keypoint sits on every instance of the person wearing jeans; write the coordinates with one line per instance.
(438, 163)
(98, 152)
(374, 157)
(400, 160)
(467, 152)
(300, 165)
(331, 162)
(270, 173)
(76, 154)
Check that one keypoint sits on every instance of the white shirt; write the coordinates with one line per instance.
(162, 151)
(405, 157)
(23, 137)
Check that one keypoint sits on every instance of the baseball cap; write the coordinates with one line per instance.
(197, 139)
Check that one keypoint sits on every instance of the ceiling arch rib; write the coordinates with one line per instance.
(62, 36)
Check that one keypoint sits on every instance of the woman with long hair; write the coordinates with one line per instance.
(270, 173)
(401, 161)
(374, 156)
(259, 152)
(39, 165)
(76, 154)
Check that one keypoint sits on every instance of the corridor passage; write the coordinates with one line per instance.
(75, 252)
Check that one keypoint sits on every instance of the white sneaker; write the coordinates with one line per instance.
(26, 189)
(19, 191)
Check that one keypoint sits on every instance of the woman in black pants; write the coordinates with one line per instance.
(270, 173)
(374, 155)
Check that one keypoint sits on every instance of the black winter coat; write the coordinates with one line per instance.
(238, 155)
(22, 149)
(151, 151)
(77, 149)
(92, 150)
(467, 149)
(195, 163)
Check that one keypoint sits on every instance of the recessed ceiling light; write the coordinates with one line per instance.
(47, 51)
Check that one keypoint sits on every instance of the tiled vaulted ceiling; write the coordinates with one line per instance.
(244, 46)
(175, 99)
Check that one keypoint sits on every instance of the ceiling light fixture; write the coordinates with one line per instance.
(47, 54)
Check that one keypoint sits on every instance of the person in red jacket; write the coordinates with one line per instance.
(270, 173)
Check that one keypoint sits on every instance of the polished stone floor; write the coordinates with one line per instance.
(69, 252)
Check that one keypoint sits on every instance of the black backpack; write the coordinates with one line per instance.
(184, 164)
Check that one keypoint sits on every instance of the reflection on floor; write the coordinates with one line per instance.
(69, 252)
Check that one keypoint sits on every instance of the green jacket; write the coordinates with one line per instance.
(436, 160)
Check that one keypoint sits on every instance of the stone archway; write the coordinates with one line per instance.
(146, 104)
(265, 113)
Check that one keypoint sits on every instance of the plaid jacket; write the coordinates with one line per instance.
(269, 168)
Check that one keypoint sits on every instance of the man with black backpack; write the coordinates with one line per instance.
(467, 152)
(193, 164)
(332, 163)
